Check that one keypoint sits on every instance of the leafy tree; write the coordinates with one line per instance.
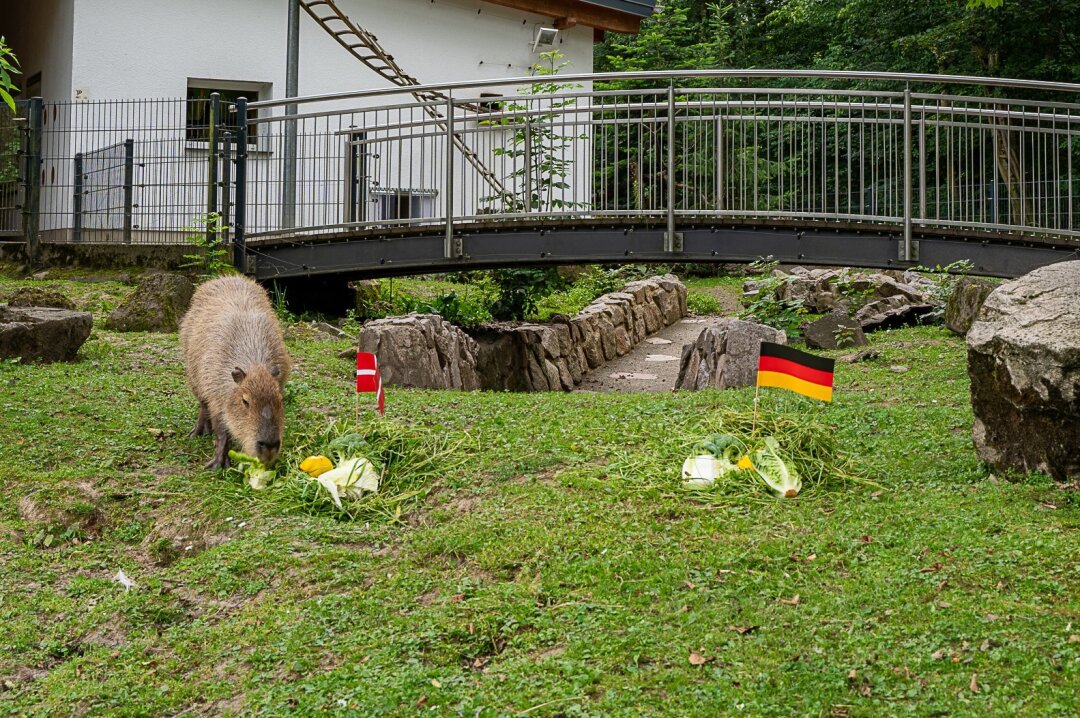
(538, 145)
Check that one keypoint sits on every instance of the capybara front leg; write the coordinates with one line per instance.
(203, 425)
(221, 447)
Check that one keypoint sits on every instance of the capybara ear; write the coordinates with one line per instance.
(275, 372)
(238, 375)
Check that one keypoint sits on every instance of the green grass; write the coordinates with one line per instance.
(545, 561)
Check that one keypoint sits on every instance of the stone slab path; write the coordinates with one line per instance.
(653, 365)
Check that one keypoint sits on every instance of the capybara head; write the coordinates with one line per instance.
(255, 414)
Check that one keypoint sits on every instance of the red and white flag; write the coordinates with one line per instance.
(368, 379)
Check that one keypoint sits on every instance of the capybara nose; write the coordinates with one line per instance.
(267, 450)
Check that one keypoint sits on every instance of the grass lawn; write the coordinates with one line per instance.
(546, 562)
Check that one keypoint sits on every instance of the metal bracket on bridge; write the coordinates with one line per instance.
(914, 251)
(455, 248)
(673, 242)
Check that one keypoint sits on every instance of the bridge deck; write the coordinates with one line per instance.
(387, 251)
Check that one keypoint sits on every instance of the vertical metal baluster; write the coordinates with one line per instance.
(448, 244)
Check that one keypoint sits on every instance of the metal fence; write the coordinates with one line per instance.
(10, 146)
(117, 171)
(911, 151)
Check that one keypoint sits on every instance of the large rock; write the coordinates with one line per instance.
(422, 351)
(965, 302)
(42, 334)
(891, 312)
(833, 331)
(828, 290)
(38, 297)
(156, 305)
(1024, 364)
(725, 355)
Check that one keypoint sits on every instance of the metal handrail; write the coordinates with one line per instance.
(671, 75)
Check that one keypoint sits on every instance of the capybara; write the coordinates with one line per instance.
(236, 365)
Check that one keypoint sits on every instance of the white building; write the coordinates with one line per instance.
(82, 55)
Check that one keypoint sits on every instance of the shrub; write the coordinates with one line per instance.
(594, 282)
(767, 307)
(520, 289)
(702, 303)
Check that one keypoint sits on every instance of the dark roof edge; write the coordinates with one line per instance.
(641, 8)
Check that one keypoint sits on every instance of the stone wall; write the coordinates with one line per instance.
(423, 351)
(556, 356)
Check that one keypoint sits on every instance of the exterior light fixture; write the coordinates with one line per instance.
(545, 37)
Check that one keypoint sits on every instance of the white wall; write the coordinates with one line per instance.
(149, 48)
(130, 49)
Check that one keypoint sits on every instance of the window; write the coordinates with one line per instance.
(197, 122)
(403, 204)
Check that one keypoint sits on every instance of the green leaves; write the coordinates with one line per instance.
(8, 63)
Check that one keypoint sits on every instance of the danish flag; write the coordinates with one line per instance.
(368, 379)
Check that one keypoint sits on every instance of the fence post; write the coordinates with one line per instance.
(129, 185)
(240, 205)
(212, 164)
(909, 250)
(77, 200)
(448, 244)
(672, 241)
(226, 184)
(32, 169)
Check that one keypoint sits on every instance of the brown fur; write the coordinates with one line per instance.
(236, 366)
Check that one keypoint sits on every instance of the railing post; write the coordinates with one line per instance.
(448, 245)
(528, 167)
(32, 168)
(77, 200)
(720, 164)
(672, 241)
(909, 251)
(240, 205)
(129, 187)
(212, 166)
(922, 167)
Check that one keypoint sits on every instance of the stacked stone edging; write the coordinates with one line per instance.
(424, 351)
(421, 351)
(556, 356)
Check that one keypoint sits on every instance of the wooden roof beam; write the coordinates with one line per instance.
(580, 13)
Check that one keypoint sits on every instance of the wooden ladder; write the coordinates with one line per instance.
(365, 47)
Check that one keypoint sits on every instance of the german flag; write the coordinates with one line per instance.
(786, 368)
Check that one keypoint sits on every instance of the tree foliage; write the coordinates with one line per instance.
(1037, 39)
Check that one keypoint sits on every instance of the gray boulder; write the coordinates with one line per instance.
(965, 302)
(1024, 365)
(422, 351)
(833, 331)
(42, 334)
(725, 355)
(156, 305)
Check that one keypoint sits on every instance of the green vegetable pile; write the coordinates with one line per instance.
(780, 453)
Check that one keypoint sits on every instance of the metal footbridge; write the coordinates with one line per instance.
(814, 167)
